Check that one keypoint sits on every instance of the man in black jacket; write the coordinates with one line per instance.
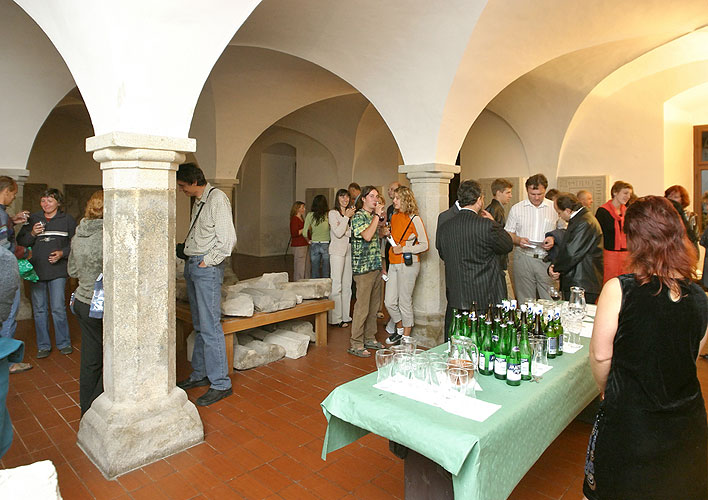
(443, 217)
(579, 258)
(470, 244)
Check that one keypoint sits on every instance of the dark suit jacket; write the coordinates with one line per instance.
(497, 210)
(445, 216)
(579, 258)
(469, 244)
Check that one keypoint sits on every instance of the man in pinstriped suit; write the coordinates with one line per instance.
(470, 244)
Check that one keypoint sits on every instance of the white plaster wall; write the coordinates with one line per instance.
(140, 65)
(277, 197)
(316, 167)
(59, 154)
(34, 78)
(492, 149)
(619, 129)
(254, 88)
(203, 129)
(333, 122)
(376, 156)
(678, 148)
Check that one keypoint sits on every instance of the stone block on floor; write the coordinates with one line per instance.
(271, 300)
(256, 353)
(316, 288)
(299, 326)
(295, 344)
(237, 304)
(37, 480)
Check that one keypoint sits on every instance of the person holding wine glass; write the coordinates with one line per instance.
(650, 433)
(579, 258)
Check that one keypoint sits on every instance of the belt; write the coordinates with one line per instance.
(532, 254)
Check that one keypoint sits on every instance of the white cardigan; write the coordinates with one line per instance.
(339, 233)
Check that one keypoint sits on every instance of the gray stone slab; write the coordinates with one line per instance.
(256, 353)
(317, 288)
(295, 344)
(237, 304)
(271, 300)
(299, 326)
(267, 281)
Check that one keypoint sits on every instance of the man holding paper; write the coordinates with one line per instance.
(528, 222)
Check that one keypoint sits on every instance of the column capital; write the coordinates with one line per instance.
(130, 140)
(19, 174)
(138, 161)
(429, 172)
(225, 183)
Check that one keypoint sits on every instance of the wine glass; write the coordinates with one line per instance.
(555, 294)
(384, 363)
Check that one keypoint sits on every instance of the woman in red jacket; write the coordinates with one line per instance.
(298, 240)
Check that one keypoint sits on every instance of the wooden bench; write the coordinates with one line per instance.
(232, 325)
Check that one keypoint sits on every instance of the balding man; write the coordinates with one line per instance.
(585, 198)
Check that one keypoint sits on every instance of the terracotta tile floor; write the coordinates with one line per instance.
(262, 442)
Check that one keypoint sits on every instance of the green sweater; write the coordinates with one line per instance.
(320, 232)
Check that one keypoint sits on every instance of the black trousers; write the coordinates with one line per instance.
(91, 375)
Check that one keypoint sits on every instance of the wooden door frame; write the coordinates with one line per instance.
(699, 167)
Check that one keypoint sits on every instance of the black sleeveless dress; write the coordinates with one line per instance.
(650, 438)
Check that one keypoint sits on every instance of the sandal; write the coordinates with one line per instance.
(343, 324)
(380, 315)
(374, 345)
(362, 353)
(20, 367)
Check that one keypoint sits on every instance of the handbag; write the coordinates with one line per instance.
(179, 250)
(407, 256)
(27, 271)
(96, 307)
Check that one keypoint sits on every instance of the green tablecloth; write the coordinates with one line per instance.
(486, 459)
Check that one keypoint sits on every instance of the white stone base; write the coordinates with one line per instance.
(428, 329)
(121, 437)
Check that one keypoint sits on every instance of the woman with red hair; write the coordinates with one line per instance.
(650, 433)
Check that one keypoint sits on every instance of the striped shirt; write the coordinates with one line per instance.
(528, 221)
(213, 235)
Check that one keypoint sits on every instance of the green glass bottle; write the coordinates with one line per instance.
(558, 329)
(464, 324)
(473, 332)
(500, 354)
(486, 351)
(452, 331)
(525, 352)
(513, 360)
(551, 336)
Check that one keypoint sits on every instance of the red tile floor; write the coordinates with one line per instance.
(263, 442)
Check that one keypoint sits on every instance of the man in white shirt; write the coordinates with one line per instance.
(211, 238)
(528, 222)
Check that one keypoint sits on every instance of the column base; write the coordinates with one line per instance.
(120, 437)
(428, 328)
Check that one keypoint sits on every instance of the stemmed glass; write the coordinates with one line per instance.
(555, 294)
(576, 311)
(409, 343)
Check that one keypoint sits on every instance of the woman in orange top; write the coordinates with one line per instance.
(298, 240)
(409, 240)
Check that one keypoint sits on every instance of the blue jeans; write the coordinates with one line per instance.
(10, 325)
(57, 301)
(319, 254)
(204, 292)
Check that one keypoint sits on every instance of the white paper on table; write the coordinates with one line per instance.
(539, 370)
(586, 330)
(570, 348)
(591, 309)
(469, 407)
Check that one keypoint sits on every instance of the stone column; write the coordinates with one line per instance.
(142, 416)
(430, 184)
